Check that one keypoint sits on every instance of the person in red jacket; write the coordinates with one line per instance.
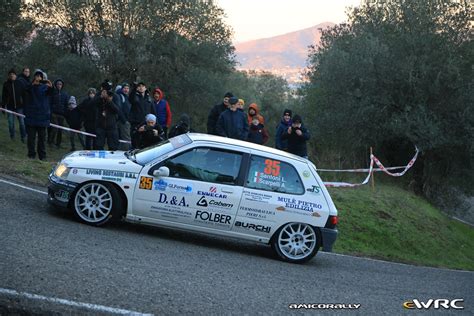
(163, 111)
(254, 112)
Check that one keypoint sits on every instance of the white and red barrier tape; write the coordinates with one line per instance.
(373, 160)
(62, 127)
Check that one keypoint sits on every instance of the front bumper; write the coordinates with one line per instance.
(60, 191)
(329, 236)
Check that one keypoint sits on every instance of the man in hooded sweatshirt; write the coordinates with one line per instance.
(254, 112)
(37, 113)
(58, 104)
(162, 109)
(232, 123)
(285, 122)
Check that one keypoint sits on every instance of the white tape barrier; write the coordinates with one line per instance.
(373, 160)
(62, 127)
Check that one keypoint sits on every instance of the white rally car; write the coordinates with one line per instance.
(207, 184)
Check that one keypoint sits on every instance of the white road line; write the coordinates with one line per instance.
(22, 186)
(93, 307)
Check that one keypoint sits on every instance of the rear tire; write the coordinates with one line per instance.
(296, 242)
(97, 203)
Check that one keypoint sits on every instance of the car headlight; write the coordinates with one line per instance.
(62, 171)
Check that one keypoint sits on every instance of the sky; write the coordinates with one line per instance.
(254, 19)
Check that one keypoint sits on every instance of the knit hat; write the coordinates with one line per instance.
(72, 104)
(297, 119)
(125, 84)
(150, 117)
(91, 90)
(12, 71)
(233, 100)
(228, 95)
(106, 85)
(289, 112)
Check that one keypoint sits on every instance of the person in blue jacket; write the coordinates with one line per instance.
(37, 113)
(285, 122)
(233, 123)
(297, 136)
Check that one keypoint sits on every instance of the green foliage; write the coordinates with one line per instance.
(396, 76)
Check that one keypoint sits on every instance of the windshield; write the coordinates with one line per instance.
(145, 155)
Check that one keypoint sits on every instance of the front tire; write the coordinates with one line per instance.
(296, 242)
(97, 203)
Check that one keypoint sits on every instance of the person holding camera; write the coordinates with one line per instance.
(148, 134)
(297, 136)
(107, 118)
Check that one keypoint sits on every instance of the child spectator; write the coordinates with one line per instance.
(257, 132)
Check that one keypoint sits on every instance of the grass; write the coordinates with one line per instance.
(388, 223)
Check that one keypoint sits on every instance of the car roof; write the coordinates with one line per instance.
(197, 137)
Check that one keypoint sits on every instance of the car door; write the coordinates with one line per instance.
(203, 188)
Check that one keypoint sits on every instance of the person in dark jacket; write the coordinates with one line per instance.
(257, 132)
(182, 127)
(297, 136)
(88, 110)
(58, 105)
(12, 99)
(74, 120)
(107, 117)
(149, 133)
(285, 122)
(233, 123)
(24, 77)
(163, 110)
(37, 113)
(215, 112)
(141, 106)
(125, 106)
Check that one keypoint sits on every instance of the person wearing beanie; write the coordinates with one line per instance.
(58, 103)
(297, 135)
(232, 123)
(141, 105)
(74, 120)
(149, 133)
(254, 112)
(182, 127)
(162, 109)
(285, 122)
(37, 113)
(12, 99)
(216, 111)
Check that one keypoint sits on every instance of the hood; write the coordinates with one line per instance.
(160, 93)
(185, 119)
(56, 81)
(101, 159)
(255, 107)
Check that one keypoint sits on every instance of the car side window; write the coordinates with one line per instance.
(273, 175)
(206, 164)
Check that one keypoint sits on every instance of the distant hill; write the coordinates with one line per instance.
(283, 51)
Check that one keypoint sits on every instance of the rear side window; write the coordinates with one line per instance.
(273, 175)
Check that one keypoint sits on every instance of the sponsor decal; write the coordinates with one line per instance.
(255, 227)
(172, 200)
(212, 193)
(324, 306)
(111, 173)
(62, 195)
(170, 212)
(145, 183)
(306, 174)
(255, 212)
(257, 196)
(314, 189)
(299, 204)
(93, 154)
(435, 304)
(112, 179)
(213, 203)
(162, 185)
(210, 217)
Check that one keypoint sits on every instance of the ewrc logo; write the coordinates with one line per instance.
(436, 304)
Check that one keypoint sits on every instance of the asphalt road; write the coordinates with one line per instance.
(143, 269)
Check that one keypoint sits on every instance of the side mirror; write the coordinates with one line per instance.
(161, 172)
